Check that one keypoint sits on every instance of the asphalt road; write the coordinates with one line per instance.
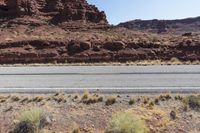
(118, 78)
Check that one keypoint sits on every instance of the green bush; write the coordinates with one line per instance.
(127, 122)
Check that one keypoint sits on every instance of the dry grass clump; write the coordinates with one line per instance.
(127, 122)
(31, 121)
(2, 100)
(165, 97)
(151, 105)
(156, 101)
(85, 95)
(131, 101)
(110, 100)
(76, 129)
(146, 100)
(178, 97)
(59, 97)
(15, 98)
(175, 61)
(87, 98)
(193, 102)
(25, 99)
(38, 99)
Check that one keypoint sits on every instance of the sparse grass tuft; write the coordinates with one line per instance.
(126, 122)
(146, 100)
(25, 99)
(193, 102)
(31, 121)
(178, 97)
(76, 130)
(165, 97)
(92, 99)
(38, 99)
(110, 101)
(85, 95)
(156, 101)
(151, 105)
(15, 98)
(131, 101)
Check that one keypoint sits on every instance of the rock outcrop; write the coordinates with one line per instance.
(164, 26)
(72, 31)
(55, 11)
(79, 51)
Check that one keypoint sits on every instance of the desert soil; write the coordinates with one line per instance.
(67, 111)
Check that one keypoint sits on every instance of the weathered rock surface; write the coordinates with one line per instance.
(37, 51)
(55, 11)
(164, 26)
(72, 31)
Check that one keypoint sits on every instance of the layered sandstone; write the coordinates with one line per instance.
(53, 10)
(72, 31)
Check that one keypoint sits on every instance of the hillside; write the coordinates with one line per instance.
(164, 26)
(71, 31)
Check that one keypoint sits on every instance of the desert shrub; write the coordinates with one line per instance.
(15, 98)
(126, 122)
(151, 105)
(76, 130)
(173, 115)
(156, 101)
(24, 127)
(131, 101)
(165, 97)
(38, 99)
(85, 95)
(110, 101)
(178, 97)
(91, 99)
(175, 60)
(25, 99)
(31, 121)
(193, 101)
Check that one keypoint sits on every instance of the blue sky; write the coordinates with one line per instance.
(123, 10)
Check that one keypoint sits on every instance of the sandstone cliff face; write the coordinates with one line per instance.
(72, 31)
(54, 10)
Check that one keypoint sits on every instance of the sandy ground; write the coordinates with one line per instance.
(70, 110)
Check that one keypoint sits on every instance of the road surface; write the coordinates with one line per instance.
(134, 78)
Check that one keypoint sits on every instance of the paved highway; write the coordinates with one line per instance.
(134, 78)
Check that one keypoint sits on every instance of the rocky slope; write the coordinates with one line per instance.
(164, 26)
(72, 31)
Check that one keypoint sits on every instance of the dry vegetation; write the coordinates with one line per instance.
(98, 113)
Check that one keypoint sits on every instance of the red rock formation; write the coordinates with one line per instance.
(56, 10)
(177, 26)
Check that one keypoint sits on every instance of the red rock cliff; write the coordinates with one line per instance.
(56, 10)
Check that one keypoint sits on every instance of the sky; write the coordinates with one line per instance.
(124, 10)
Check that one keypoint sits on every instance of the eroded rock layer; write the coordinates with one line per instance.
(72, 31)
(53, 10)
(37, 51)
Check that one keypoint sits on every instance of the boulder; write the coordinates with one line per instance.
(114, 46)
(77, 46)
